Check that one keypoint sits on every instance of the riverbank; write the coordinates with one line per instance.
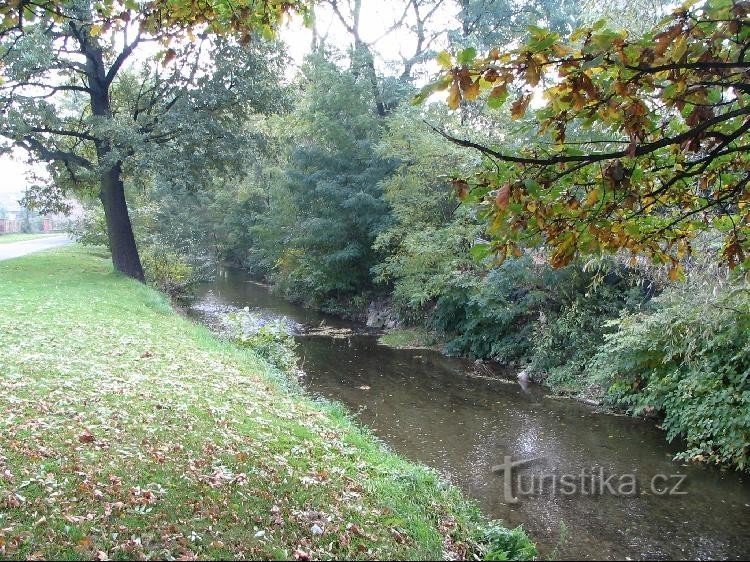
(131, 432)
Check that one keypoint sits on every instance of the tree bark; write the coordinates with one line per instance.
(119, 228)
(112, 194)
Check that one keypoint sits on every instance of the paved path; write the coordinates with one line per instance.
(18, 249)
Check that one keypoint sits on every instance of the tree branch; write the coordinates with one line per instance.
(30, 144)
(640, 150)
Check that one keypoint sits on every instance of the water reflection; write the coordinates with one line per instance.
(427, 408)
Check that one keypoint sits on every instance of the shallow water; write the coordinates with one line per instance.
(436, 410)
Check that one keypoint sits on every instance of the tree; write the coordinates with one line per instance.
(642, 142)
(425, 246)
(324, 206)
(486, 23)
(59, 55)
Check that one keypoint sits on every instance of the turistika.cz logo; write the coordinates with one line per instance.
(591, 481)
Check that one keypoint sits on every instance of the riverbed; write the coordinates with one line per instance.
(607, 484)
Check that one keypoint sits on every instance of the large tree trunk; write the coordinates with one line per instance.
(119, 229)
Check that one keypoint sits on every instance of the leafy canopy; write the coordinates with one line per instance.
(241, 17)
(642, 143)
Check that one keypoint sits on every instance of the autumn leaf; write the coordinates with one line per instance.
(497, 96)
(533, 72)
(454, 96)
(471, 91)
(502, 197)
(86, 437)
(518, 108)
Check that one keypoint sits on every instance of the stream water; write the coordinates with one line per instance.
(605, 479)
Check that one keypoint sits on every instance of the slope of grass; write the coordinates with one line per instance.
(127, 431)
(21, 237)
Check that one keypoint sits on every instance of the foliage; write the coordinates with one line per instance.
(73, 101)
(166, 270)
(90, 228)
(330, 194)
(426, 244)
(506, 544)
(171, 16)
(526, 311)
(642, 141)
(276, 347)
(486, 23)
(572, 326)
(271, 341)
(687, 359)
(492, 317)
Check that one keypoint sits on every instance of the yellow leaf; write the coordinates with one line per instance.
(454, 96)
(533, 72)
(471, 91)
(592, 197)
(445, 60)
(518, 109)
(675, 272)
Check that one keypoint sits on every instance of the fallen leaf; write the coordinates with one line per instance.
(86, 437)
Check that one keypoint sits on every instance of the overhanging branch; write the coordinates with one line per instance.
(640, 150)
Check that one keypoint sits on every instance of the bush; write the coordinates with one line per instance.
(688, 360)
(571, 329)
(499, 543)
(491, 317)
(90, 229)
(167, 271)
(271, 341)
(523, 311)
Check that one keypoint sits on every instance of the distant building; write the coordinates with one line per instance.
(9, 220)
(14, 218)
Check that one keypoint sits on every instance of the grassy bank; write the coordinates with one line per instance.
(410, 338)
(129, 432)
(22, 237)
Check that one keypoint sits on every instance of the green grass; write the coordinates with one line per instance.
(21, 237)
(127, 431)
(409, 338)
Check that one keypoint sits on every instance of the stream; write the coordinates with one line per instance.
(607, 482)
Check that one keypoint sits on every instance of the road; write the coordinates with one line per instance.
(18, 249)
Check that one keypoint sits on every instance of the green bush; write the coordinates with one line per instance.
(269, 339)
(571, 328)
(688, 360)
(90, 229)
(491, 317)
(168, 271)
(276, 347)
(522, 311)
(499, 543)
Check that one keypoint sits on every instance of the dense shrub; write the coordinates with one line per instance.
(167, 270)
(571, 329)
(687, 359)
(525, 311)
(90, 229)
(499, 543)
(270, 340)
(491, 317)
